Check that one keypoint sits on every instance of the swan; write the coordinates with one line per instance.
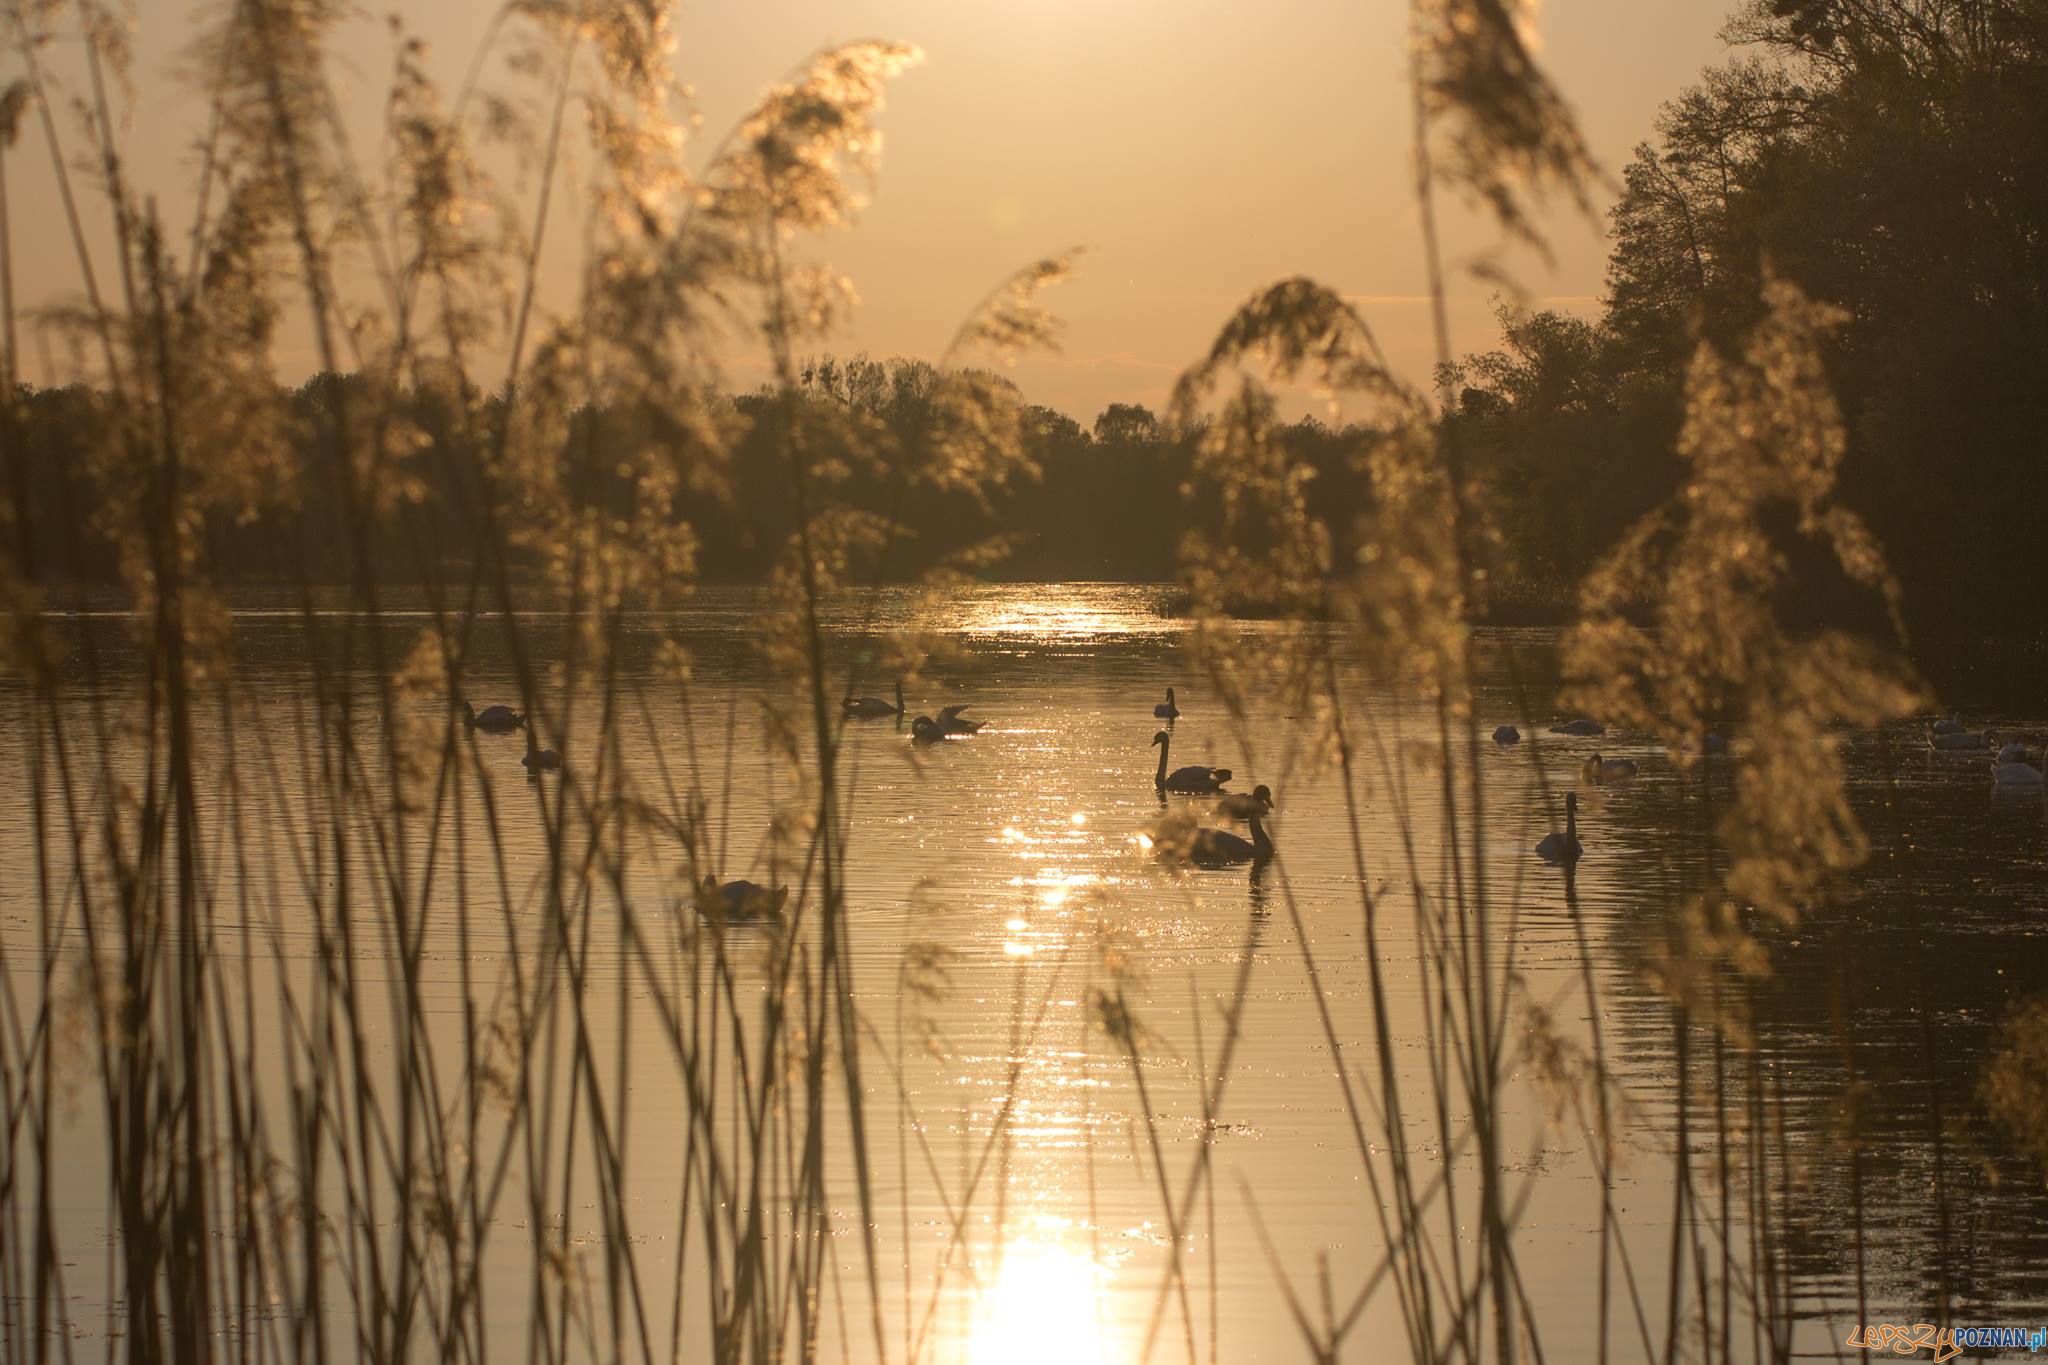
(2015, 774)
(740, 900)
(537, 759)
(1506, 734)
(1948, 725)
(1192, 780)
(1565, 847)
(950, 723)
(1956, 739)
(494, 720)
(2015, 752)
(1598, 769)
(1221, 848)
(1238, 806)
(1166, 710)
(870, 708)
(1709, 745)
(1583, 726)
(925, 730)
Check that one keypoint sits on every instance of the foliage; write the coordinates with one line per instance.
(1885, 160)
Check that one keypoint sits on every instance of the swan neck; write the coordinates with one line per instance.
(1262, 843)
(1162, 763)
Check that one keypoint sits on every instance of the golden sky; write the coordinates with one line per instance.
(1197, 149)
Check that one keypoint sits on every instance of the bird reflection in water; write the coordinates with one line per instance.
(1260, 910)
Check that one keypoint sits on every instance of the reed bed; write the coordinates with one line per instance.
(230, 968)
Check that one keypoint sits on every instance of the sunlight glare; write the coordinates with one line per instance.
(1044, 1306)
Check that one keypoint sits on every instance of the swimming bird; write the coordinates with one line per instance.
(2015, 774)
(494, 720)
(741, 900)
(1506, 734)
(537, 759)
(1598, 769)
(1238, 806)
(1583, 726)
(1565, 847)
(1948, 725)
(925, 730)
(950, 722)
(1166, 710)
(2014, 752)
(1221, 848)
(1706, 746)
(1192, 780)
(1956, 739)
(870, 708)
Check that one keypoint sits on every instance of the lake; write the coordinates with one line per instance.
(1025, 1164)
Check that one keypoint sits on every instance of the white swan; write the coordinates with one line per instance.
(950, 722)
(495, 720)
(1565, 847)
(537, 759)
(1948, 725)
(1506, 734)
(1598, 769)
(1582, 727)
(1221, 848)
(870, 708)
(1192, 780)
(1955, 740)
(740, 900)
(2015, 775)
(1238, 806)
(1166, 710)
(1708, 745)
(2014, 752)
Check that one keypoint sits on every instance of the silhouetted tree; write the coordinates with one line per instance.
(1126, 424)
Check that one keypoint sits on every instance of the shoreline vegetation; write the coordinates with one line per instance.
(1825, 308)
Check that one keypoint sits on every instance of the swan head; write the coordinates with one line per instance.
(1263, 794)
(1220, 775)
(1571, 803)
(1160, 738)
(1169, 696)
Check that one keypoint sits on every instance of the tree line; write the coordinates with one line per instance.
(1889, 158)
(1104, 502)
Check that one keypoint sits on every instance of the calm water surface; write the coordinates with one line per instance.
(1015, 847)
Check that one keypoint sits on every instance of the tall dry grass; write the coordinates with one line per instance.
(294, 1167)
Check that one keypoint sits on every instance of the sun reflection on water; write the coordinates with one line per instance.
(1052, 615)
(1045, 1304)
